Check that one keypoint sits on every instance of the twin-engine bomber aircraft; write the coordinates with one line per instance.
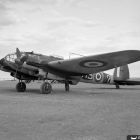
(30, 66)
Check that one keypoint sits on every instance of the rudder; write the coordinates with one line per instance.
(121, 73)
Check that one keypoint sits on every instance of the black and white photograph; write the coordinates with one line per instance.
(69, 70)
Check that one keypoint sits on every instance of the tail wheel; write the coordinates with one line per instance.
(21, 87)
(46, 88)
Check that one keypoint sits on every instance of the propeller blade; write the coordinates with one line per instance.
(20, 59)
(18, 53)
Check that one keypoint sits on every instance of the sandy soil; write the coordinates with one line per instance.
(87, 112)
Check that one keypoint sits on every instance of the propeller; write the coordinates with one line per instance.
(18, 53)
(20, 59)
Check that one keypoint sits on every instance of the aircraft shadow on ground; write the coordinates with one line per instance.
(122, 88)
(84, 91)
(13, 91)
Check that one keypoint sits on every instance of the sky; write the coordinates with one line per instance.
(61, 27)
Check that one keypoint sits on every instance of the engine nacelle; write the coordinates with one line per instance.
(97, 78)
(23, 76)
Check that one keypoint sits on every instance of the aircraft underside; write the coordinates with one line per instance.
(45, 88)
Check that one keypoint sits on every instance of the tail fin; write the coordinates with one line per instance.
(121, 73)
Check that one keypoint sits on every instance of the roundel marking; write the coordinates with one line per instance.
(98, 77)
(92, 63)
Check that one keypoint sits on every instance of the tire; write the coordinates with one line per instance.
(21, 87)
(46, 88)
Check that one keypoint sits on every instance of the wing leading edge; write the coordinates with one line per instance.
(95, 63)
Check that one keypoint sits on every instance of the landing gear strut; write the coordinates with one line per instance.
(46, 88)
(21, 87)
(67, 88)
(117, 86)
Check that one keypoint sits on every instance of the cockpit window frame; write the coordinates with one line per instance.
(11, 57)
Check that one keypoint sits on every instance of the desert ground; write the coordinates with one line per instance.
(87, 112)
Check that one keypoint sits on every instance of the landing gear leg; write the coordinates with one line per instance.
(117, 86)
(21, 87)
(67, 88)
(46, 88)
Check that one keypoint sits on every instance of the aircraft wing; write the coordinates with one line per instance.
(93, 64)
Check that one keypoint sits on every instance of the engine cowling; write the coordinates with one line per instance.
(23, 76)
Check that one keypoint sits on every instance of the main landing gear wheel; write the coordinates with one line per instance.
(46, 88)
(21, 87)
(67, 88)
